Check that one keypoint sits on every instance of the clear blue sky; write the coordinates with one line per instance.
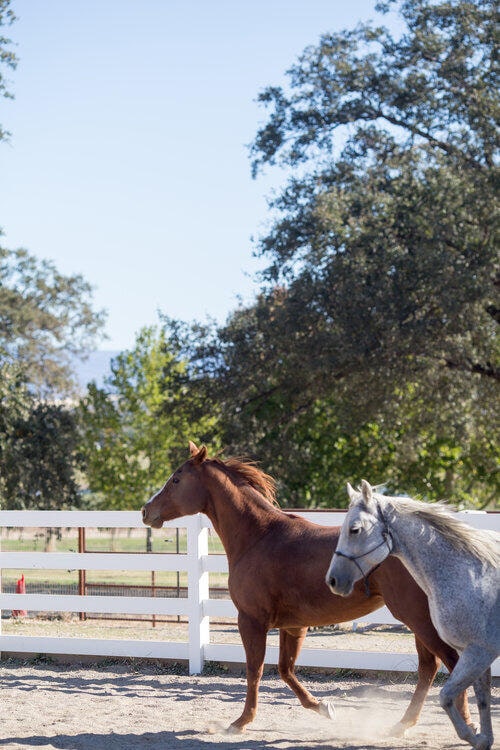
(128, 161)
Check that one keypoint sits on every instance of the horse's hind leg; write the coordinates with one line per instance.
(428, 665)
(291, 641)
(409, 604)
(471, 667)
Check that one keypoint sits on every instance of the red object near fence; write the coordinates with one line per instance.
(20, 589)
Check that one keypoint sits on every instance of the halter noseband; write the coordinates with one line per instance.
(354, 558)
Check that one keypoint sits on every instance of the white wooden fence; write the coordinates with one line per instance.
(197, 607)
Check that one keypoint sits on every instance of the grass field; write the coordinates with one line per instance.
(99, 540)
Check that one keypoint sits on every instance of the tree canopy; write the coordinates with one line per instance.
(46, 319)
(379, 306)
(388, 244)
(136, 428)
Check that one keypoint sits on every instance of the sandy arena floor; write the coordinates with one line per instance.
(137, 706)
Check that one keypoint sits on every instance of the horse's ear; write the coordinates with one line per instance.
(193, 448)
(200, 455)
(366, 492)
(351, 491)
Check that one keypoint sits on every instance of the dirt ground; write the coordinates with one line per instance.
(139, 706)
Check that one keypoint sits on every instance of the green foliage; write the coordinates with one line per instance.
(435, 87)
(45, 320)
(39, 459)
(322, 458)
(136, 429)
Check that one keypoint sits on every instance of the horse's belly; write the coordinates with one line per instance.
(325, 609)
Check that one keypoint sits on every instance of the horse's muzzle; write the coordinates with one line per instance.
(339, 587)
(156, 522)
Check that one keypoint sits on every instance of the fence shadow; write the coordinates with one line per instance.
(173, 741)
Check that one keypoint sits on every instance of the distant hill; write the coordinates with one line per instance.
(95, 367)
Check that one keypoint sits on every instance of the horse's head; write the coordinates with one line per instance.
(364, 542)
(182, 494)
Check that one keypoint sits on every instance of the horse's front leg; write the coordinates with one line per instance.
(253, 634)
(291, 641)
(472, 668)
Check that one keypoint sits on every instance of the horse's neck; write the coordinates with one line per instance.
(239, 515)
(419, 547)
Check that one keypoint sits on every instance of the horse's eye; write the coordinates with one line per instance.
(354, 530)
(176, 480)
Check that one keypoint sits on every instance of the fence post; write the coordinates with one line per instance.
(198, 592)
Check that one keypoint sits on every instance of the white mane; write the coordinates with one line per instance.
(483, 545)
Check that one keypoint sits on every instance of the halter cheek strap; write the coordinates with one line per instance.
(354, 558)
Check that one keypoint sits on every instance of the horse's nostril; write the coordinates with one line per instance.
(144, 512)
(332, 582)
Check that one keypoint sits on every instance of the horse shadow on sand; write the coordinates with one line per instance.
(184, 740)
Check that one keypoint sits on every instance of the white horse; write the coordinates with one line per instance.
(457, 567)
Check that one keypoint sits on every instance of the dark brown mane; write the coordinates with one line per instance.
(248, 472)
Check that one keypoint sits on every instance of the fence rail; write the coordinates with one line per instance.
(198, 607)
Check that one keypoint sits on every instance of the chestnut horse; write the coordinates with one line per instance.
(261, 541)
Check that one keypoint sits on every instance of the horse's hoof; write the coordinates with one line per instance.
(234, 729)
(327, 709)
(482, 742)
(398, 730)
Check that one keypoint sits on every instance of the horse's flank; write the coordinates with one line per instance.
(481, 544)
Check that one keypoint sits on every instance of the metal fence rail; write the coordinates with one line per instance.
(198, 607)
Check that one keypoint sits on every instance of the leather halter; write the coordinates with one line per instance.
(354, 558)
